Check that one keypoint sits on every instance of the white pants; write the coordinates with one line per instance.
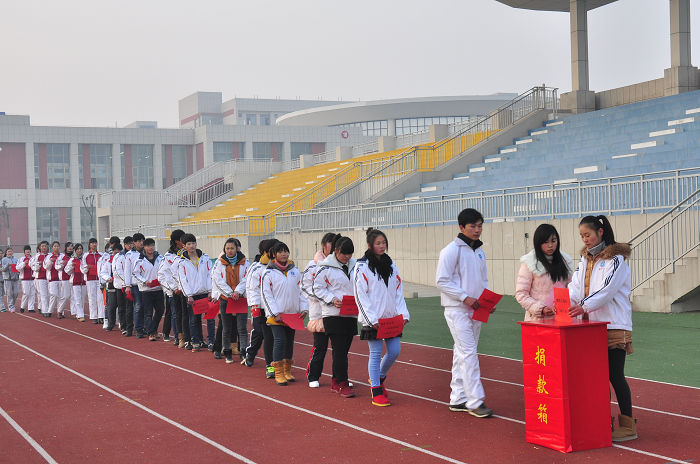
(28, 295)
(466, 375)
(66, 290)
(54, 296)
(37, 292)
(12, 292)
(77, 299)
(95, 302)
(42, 286)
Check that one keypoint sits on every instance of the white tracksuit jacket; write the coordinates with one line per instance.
(307, 280)
(609, 290)
(118, 270)
(221, 287)
(194, 280)
(165, 273)
(73, 267)
(282, 293)
(252, 284)
(374, 299)
(331, 282)
(461, 273)
(145, 272)
(130, 258)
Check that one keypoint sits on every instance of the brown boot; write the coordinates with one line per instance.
(627, 429)
(288, 370)
(182, 342)
(279, 373)
(234, 348)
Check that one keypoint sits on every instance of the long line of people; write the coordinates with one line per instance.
(140, 287)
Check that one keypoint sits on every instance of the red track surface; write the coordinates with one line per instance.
(240, 412)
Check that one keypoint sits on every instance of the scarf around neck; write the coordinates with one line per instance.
(380, 265)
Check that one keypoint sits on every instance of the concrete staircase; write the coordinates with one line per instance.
(675, 289)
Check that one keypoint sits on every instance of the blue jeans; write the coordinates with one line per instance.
(138, 310)
(379, 366)
(283, 343)
(152, 301)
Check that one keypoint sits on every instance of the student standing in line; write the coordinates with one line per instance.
(228, 282)
(3, 308)
(107, 280)
(88, 266)
(169, 284)
(542, 269)
(194, 276)
(77, 281)
(42, 285)
(132, 289)
(261, 333)
(66, 287)
(379, 295)
(167, 275)
(281, 293)
(330, 285)
(461, 277)
(11, 278)
(27, 279)
(146, 276)
(314, 368)
(53, 278)
(124, 305)
(600, 291)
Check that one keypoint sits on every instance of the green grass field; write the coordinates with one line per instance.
(666, 346)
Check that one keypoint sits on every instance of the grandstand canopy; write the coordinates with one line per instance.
(552, 5)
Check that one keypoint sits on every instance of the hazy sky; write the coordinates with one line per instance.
(97, 63)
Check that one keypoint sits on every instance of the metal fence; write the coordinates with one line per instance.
(666, 241)
(645, 193)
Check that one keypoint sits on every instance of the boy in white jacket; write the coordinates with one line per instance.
(281, 292)
(194, 277)
(146, 276)
(461, 276)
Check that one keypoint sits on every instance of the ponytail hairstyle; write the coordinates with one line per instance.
(600, 222)
(372, 235)
(262, 246)
(237, 242)
(269, 247)
(344, 245)
(175, 235)
(329, 237)
(557, 268)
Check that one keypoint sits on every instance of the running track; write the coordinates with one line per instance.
(72, 392)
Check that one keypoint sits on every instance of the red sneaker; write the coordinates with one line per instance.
(380, 400)
(346, 391)
(335, 385)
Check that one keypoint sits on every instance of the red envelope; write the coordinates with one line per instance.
(129, 296)
(487, 301)
(562, 303)
(13, 268)
(390, 327)
(238, 306)
(154, 283)
(293, 321)
(256, 311)
(200, 306)
(212, 311)
(349, 307)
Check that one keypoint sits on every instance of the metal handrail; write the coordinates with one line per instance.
(668, 213)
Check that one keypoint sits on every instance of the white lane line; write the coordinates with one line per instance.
(512, 383)
(647, 453)
(254, 393)
(134, 403)
(47, 457)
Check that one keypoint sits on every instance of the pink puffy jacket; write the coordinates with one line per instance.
(534, 289)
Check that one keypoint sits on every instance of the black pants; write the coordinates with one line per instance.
(616, 373)
(111, 308)
(260, 335)
(318, 355)
(182, 318)
(167, 317)
(126, 311)
(283, 344)
(153, 307)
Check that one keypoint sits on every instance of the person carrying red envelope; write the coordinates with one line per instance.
(145, 274)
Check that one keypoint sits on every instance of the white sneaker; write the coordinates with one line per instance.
(314, 384)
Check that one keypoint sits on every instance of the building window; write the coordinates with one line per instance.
(370, 128)
(251, 119)
(57, 165)
(413, 125)
(47, 227)
(300, 148)
(265, 119)
(179, 164)
(36, 166)
(100, 166)
(267, 150)
(223, 151)
(142, 166)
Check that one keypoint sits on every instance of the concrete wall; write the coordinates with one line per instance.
(630, 94)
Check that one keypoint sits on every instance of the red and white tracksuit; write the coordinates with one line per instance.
(27, 282)
(89, 267)
(66, 287)
(78, 288)
(54, 283)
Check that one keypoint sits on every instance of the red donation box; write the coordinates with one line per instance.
(567, 394)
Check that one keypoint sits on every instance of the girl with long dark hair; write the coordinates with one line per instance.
(542, 269)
